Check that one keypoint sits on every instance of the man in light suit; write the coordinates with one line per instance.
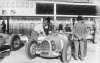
(80, 32)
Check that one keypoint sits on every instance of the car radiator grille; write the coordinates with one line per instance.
(45, 46)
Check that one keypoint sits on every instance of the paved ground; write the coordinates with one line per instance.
(19, 56)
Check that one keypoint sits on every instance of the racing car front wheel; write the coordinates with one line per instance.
(15, 42)
(31, 49)
(66, 53)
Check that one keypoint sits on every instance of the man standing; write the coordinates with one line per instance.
(79, 30)
(3, 26)
(94, 33)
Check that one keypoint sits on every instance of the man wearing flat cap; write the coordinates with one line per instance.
(80, 31)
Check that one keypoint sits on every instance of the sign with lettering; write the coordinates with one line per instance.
(27, 7)
(84, 1)
(17, 7)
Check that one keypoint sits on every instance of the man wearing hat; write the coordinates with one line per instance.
(80, 31)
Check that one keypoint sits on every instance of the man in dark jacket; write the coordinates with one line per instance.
(3, 27)
(48, 27)
(68, 28)
(79, 30)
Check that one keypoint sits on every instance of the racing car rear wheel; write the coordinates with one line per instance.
(31, 49)
(15, 42)
(66, 53)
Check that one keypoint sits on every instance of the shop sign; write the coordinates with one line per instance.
(80, 1)
(17, 7)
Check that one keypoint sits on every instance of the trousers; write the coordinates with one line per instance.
(79, 46)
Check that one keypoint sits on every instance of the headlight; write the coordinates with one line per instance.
(53, 45)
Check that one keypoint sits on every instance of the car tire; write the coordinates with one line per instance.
(66, 53)
(15, 42)
(31, 48)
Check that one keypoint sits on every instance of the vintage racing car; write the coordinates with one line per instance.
(54, 45)
(4, 51)
(90, 35)
(7, 43)
(12, 40)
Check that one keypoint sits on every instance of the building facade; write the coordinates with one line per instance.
(19, 13)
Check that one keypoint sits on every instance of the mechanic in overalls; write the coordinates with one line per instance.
(80, 31)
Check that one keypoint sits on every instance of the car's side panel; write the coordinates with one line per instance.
(56, 40)
(59, 41)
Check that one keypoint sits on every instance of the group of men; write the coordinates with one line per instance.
(79, 32)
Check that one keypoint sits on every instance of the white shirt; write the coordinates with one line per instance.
(39, 28)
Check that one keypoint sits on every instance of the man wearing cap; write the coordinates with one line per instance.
(79, 30)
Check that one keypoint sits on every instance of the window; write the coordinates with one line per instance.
(63, 9)
(44, 8)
